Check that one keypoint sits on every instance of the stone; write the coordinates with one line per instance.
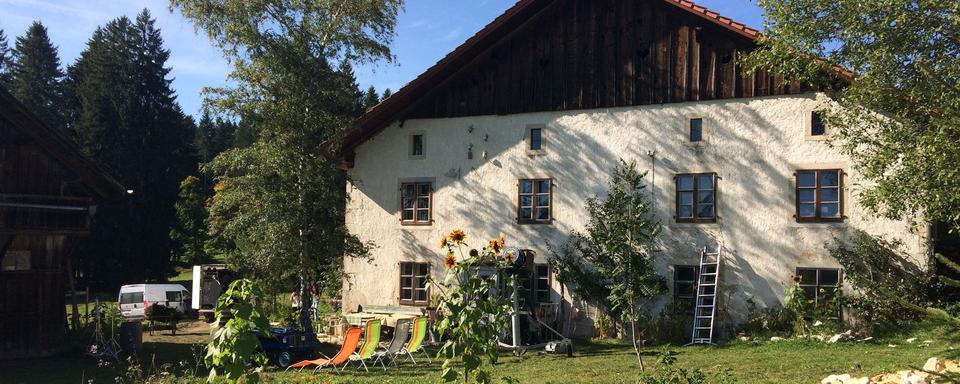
(829, 379)
(776, 338)
(934, 364)
(952, 366)
(858, 380)
(744, 338)
(892, 345)
(912, 339)
(836, 338)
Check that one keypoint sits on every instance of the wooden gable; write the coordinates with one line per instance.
(556, 55)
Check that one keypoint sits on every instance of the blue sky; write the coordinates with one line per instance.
(426, 31)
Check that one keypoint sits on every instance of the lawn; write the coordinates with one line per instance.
(790, 361)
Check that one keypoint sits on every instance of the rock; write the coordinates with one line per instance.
(912, 339)
(744, 338)
(858, 380)
(817, 323)
(829, 379)
(892, 345)
(934, 364)
(887, 378)
(836, 338)
(843, 378)
(952, 366)
(776, 338)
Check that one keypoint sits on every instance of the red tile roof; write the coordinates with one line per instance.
(722, 21)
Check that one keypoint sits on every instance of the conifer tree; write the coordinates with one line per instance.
(386, 93)
(36, 77)
(370, 99)
(5, 60)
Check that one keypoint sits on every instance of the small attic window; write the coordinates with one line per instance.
(817, 128)
(416, 145)
(696, 129)
(536, 139)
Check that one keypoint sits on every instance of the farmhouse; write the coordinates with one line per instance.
(517, 127)
(48, 194)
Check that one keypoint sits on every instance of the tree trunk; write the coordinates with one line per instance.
(75, 314)
(305, 299)
(636, 344)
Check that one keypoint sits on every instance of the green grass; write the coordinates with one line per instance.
(791, 361)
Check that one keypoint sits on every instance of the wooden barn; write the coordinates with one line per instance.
(48, 194)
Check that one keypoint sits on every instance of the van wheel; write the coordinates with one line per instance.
(284, 359)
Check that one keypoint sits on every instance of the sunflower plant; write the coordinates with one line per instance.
(473, 306)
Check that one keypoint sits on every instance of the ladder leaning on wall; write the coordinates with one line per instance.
(706, 309)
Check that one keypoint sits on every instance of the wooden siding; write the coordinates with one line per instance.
(577, 54)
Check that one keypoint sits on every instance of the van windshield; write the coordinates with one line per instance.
(131, 297)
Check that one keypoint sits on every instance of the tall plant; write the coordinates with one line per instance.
(614, 254)
(233, 344)
(279, 207)
(475, 307)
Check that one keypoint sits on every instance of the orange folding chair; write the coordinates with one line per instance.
(350, 342)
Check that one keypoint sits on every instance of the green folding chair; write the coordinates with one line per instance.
(371, 340)
(420, 330)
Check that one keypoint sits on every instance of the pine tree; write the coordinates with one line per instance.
(127, 118)
(370, 99)
(386, 93)
(5, 60)
(36, 78)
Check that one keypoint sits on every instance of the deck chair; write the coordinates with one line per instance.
(400, 335)
(420, 330)
(371, 340)
(350, 341)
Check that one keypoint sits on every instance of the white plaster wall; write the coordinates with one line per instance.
(754, 145)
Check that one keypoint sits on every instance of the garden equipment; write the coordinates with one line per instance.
(706, 305)
(282, 345)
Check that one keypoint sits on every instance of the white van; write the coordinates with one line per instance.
(135, 298)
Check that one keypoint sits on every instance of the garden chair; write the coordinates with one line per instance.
(371, 340)
(420, 330)
(350, 341)
(400, 335)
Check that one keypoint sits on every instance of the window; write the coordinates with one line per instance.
(415, 201)
(819, 196)
(534, 201)
(816, 124)
(685, 282)
(173, 296)
(131, 298)
(696, 129)
(16, 261)
(542, 288)
(696, 197)
(413, 283)
(416, 145)
(536, 139)
(819, 287)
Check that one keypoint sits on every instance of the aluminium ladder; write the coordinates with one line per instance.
(706, 299)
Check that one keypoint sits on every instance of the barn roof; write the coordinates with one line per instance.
(388, 110)
(59, 146)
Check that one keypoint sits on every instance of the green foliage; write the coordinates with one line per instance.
(471, 317)
(233, 344)
(190, 233)
(889, 286)
(668, 373)
(370, 99)
(278, 210)
(899, 116)
(126, 117)
(770, 321)
(35, 77)
(797, 305)
(673, 324)
(5, 60)
(612, 262)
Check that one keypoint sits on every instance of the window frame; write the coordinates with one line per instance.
(536, 284)
(817, 196)
(677, 282)
(817, 286)
(416, 203)
(415, 268)
(690, 129)
(815, 116)
(411, 145)
(535, 191)
(696, 201)
(13, 259)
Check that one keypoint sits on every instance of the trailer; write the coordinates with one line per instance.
(209, 281)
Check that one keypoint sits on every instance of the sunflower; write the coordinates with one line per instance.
(443, 242)
(450, 261)
(502, 241)
(495, 246)
(457, 236)
(509, 257)
(796, 279)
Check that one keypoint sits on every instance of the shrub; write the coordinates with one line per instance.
(233, 344)
(889, 286)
